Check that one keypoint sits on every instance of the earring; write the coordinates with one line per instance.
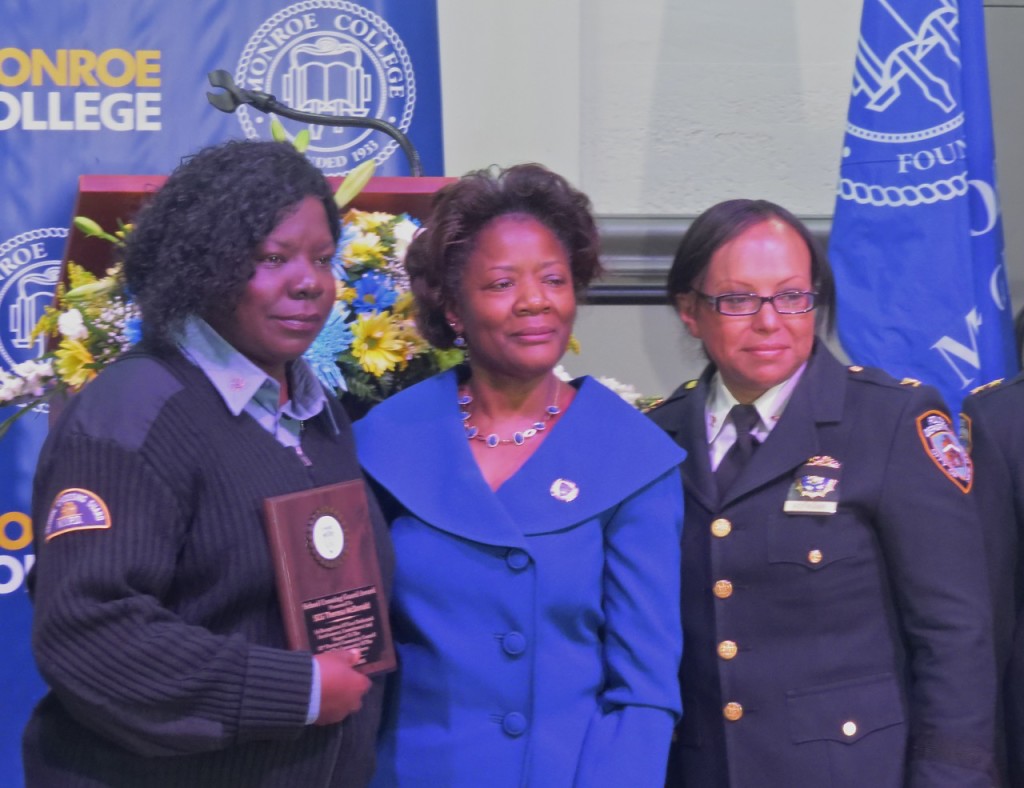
(459, 341)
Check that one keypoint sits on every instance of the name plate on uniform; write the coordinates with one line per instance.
(328, 577)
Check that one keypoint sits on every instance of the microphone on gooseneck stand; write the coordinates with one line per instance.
(235, 96)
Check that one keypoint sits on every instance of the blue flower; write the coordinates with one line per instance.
(349, 232)
(334, 339)
(133, 330)
(374, 293)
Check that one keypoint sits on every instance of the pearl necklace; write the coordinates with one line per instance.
(519, 437)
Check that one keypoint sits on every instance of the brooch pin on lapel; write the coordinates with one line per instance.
(564, 490)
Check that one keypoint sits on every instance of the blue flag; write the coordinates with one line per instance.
(917, 240)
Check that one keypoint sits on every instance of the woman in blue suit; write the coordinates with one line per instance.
(536, 523)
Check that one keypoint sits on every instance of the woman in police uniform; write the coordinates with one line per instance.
(995, 434)
(835, 611)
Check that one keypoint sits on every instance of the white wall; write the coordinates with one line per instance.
(664, 107)
(654, 106)
(510, 74)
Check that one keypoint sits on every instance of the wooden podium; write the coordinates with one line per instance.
(108, 198)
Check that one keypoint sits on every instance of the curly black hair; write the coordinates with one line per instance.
(193, 246)
(437, 256)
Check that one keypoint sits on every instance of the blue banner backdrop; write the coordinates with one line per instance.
(98, 86)
(917, 239)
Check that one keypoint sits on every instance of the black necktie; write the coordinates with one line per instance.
(744, 417)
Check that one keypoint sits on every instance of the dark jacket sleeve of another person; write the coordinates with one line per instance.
(993, 426)
(860, 645)
(157, 624)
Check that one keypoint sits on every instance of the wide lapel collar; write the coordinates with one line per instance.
(415, 446)
(817, 399)
(598, 453)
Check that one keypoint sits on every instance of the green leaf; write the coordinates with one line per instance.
(100, 287)
(91, 229)
(301, 141)
(354, 183)
(277, 132)
(30, 407)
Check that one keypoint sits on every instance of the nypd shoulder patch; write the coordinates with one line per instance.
(941, 443)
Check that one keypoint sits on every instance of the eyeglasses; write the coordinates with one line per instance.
(790, 302)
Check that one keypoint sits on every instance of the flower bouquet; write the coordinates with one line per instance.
(92, 322)
(369, 348)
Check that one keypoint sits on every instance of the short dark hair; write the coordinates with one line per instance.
(437, 256)
(723, 222)
(192, 248)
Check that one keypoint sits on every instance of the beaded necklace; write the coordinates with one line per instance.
(520, 436)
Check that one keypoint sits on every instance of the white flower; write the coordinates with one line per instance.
(624, 390)
(27, 377)
(23, 369)
(71, 325)
(11, 388)
(404, 232)
(41, 375)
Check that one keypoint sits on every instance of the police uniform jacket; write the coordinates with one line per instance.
(993, 422)
(537, 626)
(843, 649)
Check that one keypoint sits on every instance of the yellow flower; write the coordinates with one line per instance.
(412, 339)
(74, 363)
(344, 293)
(403, 304)
(377, 343)
(365, 249)
(368, 221)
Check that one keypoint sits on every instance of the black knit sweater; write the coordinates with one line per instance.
(161, 636)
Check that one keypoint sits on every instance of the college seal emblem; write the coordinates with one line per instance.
(330, 57)
(29, 270)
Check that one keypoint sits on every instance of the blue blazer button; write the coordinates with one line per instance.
(514, 724)
(517, 559)
(514, 643)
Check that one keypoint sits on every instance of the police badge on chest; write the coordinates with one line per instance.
(815, 487)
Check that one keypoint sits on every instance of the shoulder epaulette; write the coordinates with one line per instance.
(679, 393)
(986, 386)
(879, 377)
